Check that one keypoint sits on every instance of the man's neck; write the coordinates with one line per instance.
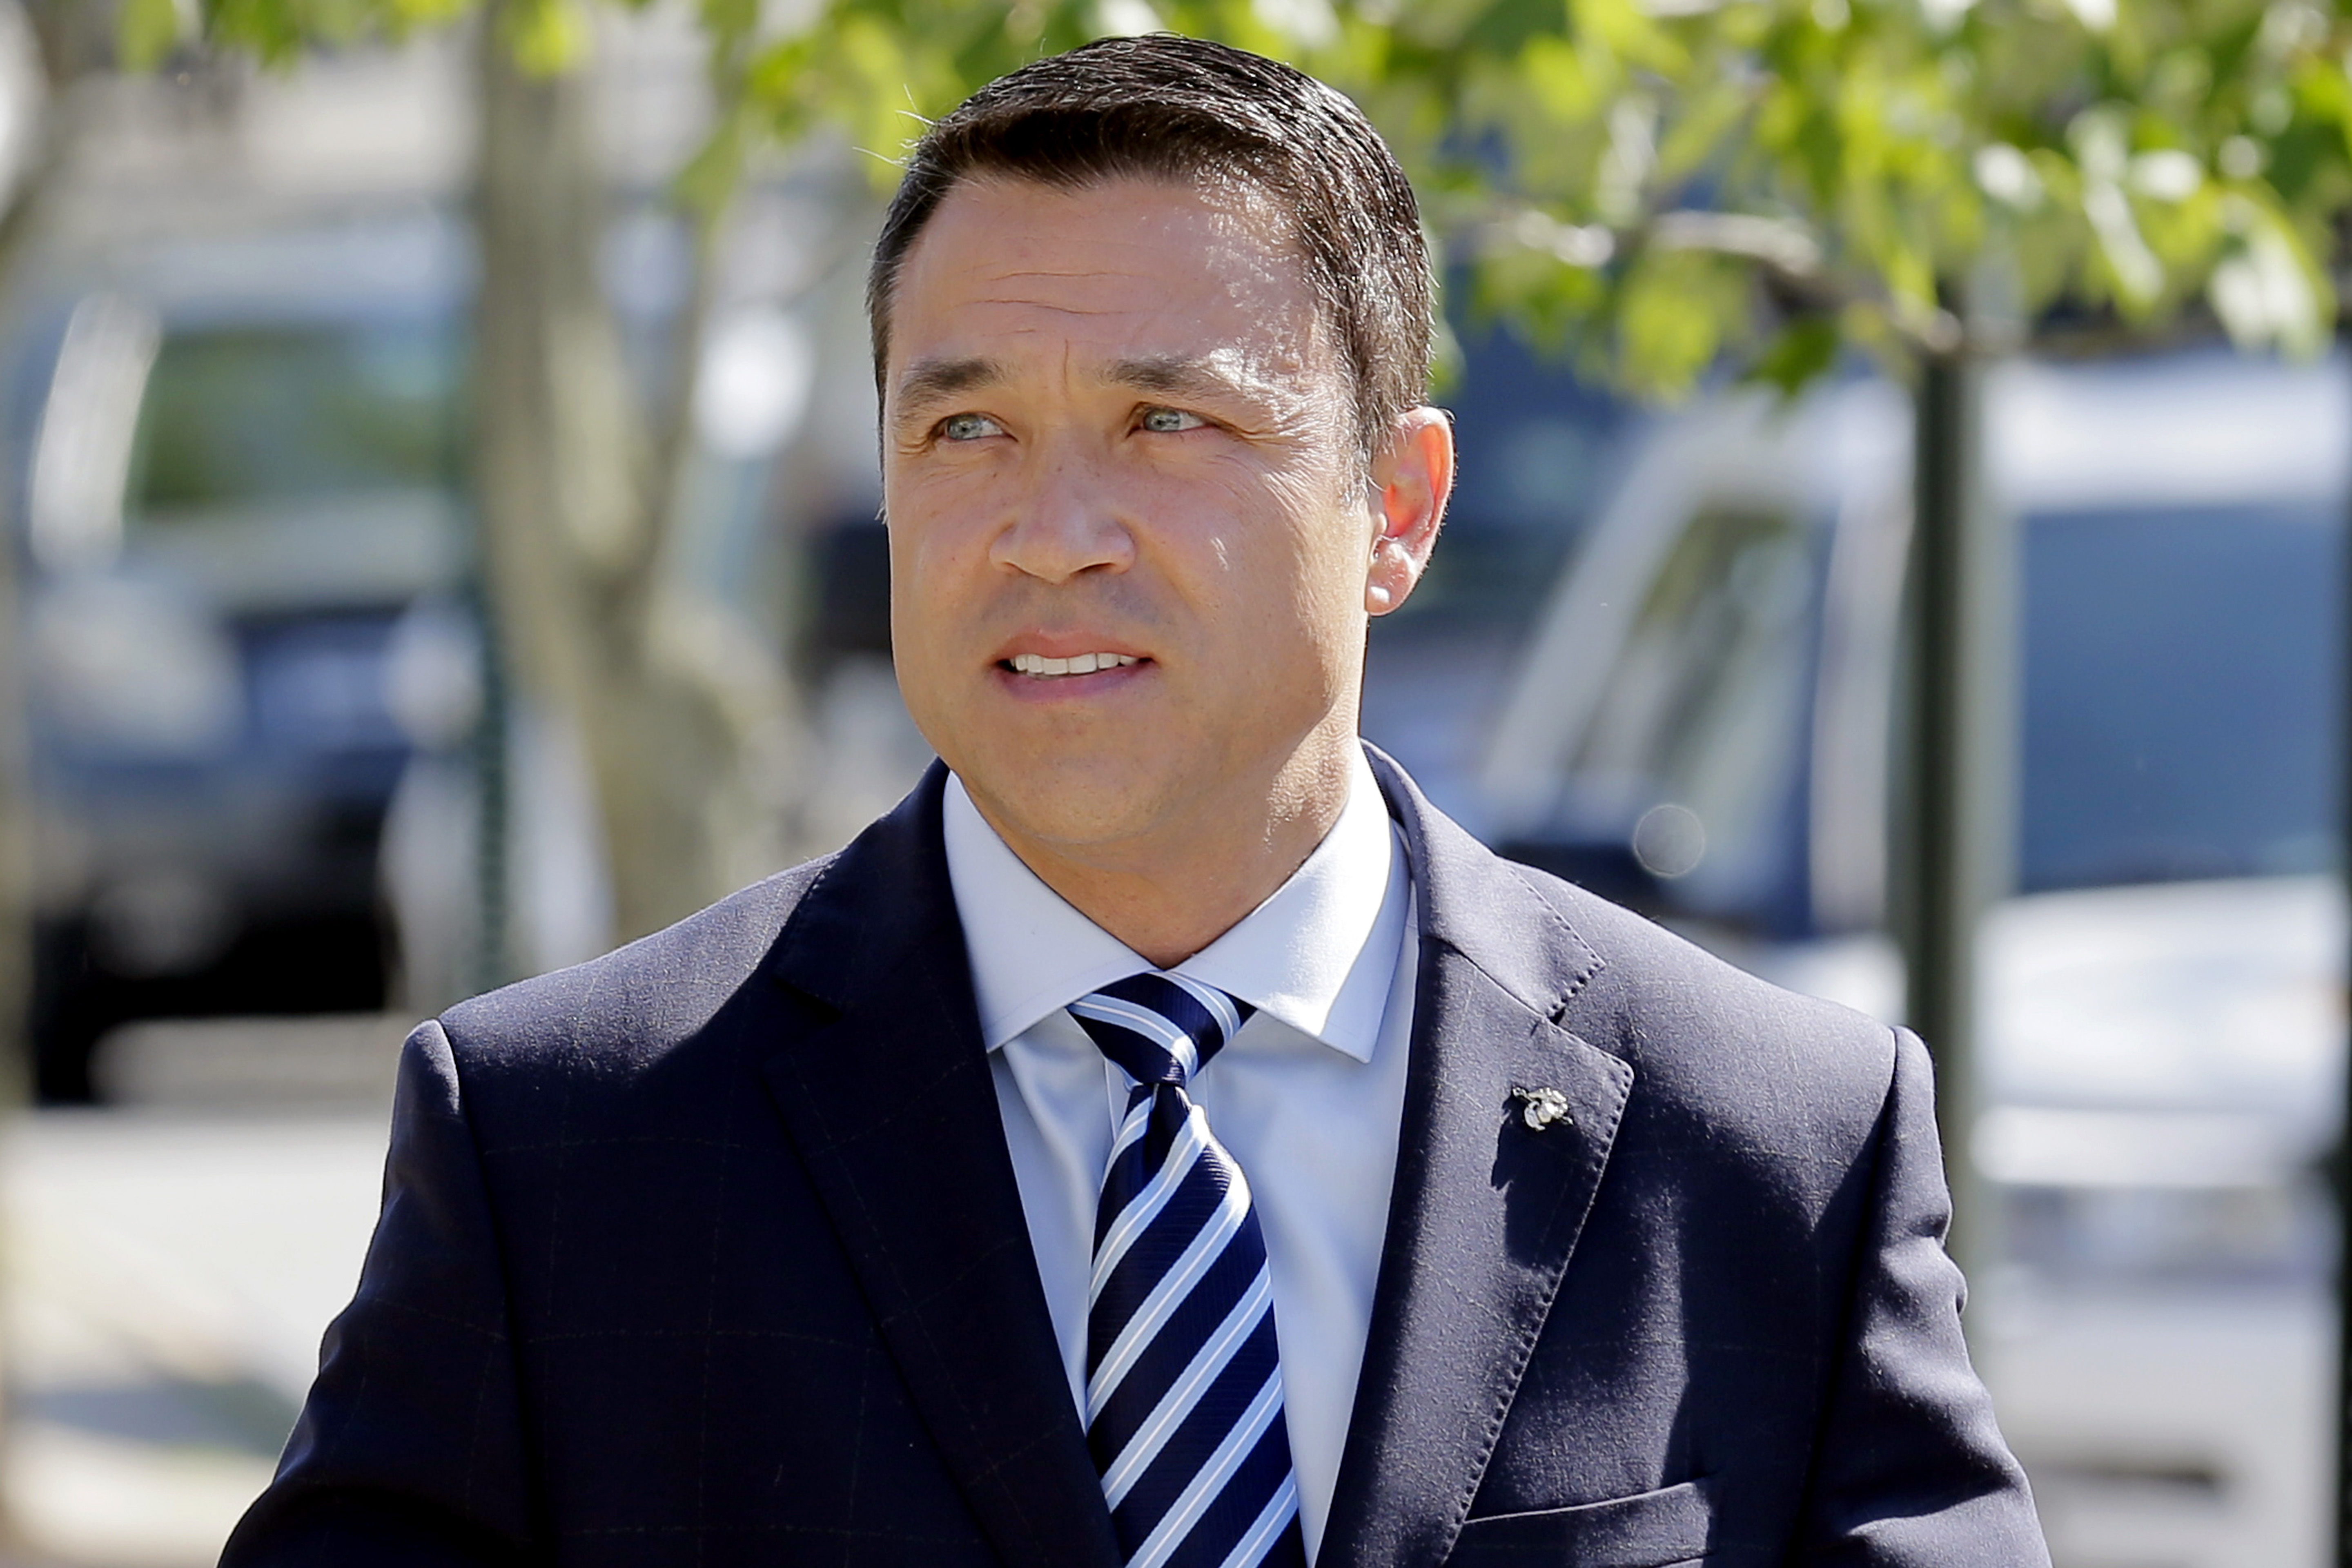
(1171, 892)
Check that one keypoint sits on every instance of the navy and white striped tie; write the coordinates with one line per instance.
(1183, 1379)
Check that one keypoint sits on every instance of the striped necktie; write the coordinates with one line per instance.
(1183, 1380)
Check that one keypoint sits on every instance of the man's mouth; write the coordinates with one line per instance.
(1039, 667)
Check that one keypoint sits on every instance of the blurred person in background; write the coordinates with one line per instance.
(1164, 1138)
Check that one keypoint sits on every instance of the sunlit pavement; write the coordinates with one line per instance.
(2180, 1430)
(168, 1271)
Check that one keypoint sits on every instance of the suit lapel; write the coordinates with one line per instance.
(891, 1104)
(1486, 1210)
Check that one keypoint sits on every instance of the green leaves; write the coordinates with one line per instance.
(146, 31)
(2134, 159)
(1661, 186)
(546, 36)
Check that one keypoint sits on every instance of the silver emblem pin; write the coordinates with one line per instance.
(1542, 1107)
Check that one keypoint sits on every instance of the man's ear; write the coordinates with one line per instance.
(1411, 476)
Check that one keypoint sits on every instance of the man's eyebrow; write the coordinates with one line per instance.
(933, 380)
(1173, 375)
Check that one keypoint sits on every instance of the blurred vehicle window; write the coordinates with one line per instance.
(2179, 699)
(1692, 750)
(245, 415)
(2179, 705)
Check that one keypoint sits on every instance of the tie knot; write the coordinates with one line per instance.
(1160, 1028)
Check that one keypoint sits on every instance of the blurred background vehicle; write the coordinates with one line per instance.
(278, 758)
(1701, 725)
(244, 468)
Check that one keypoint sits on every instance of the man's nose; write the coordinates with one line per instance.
(1070, 521)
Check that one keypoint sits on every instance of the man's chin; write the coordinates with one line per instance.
(1077, 807)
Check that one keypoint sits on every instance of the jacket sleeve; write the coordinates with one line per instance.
(409, 1449)
(1911, 1470)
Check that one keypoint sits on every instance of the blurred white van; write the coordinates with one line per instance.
(1700, 727)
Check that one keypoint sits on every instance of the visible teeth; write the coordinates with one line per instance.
(1077, 664)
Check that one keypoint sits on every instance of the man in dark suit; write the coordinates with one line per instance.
(1164, 1139)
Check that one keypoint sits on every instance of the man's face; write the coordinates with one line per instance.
(1130, 528)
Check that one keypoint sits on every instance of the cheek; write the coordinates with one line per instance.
(1292, 590)
(1326, 550)
(937, 537)
(922, 593)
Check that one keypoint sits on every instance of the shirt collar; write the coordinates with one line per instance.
(1319, 955)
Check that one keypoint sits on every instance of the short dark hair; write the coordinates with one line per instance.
(1164, 106)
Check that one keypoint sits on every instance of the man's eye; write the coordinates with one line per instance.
(969, 426)
(1169, 421)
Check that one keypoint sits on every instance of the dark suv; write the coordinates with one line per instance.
(242, 469)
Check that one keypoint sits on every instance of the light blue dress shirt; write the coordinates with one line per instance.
(1308, 1098)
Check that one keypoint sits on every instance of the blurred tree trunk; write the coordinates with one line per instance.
(579, 492)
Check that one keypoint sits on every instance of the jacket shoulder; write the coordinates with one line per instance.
(638, 1002)
(1722, 1044)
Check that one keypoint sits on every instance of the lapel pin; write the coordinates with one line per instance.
(1542, 1107)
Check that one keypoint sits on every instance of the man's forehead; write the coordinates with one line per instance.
(1124, 271)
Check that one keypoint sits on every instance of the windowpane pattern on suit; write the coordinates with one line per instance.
(1184, 1411)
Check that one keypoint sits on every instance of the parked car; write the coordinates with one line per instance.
(1699, 725)
(243, 457)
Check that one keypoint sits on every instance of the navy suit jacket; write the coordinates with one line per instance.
(710, 1252)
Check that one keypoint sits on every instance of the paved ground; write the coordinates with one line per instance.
(168, 1269)
(2186, 1429)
